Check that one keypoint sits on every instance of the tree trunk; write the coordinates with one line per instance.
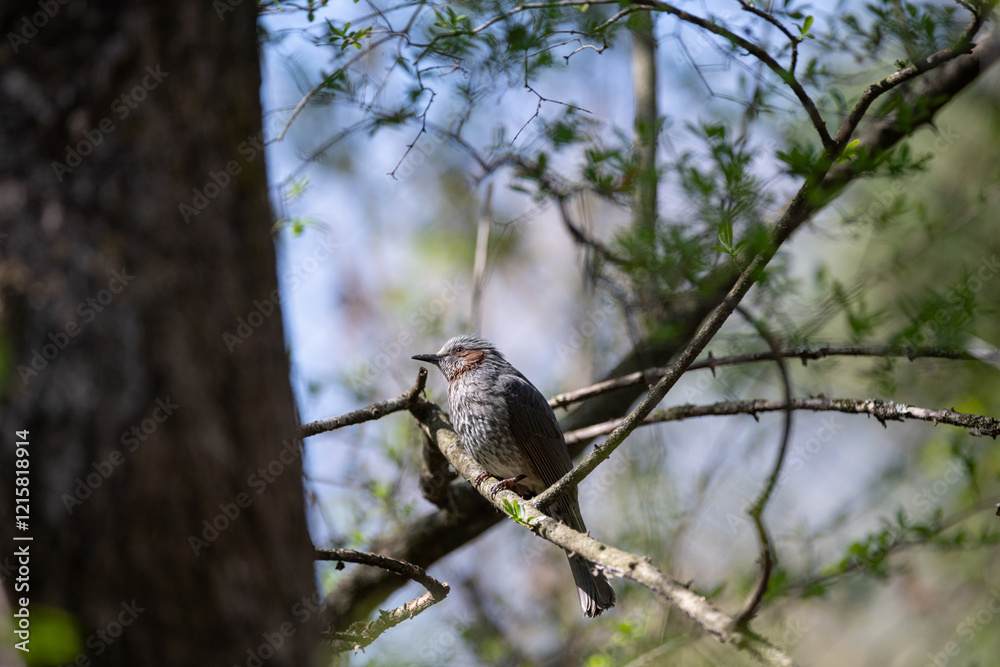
(141, 340)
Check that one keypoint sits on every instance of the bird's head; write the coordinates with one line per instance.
(462, 354)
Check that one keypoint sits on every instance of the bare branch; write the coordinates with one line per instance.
(883, 411)
(541, 99)
(422, 131)
(748, 6)
(373, 411)
(580, 237)
(360, 635)
(756, 510)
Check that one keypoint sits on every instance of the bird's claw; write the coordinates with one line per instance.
(505, 484)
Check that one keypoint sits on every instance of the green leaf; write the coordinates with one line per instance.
(516, 512)
(850, 151)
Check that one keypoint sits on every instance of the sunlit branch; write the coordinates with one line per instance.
(611, 560)
(883, 411)
(373, 411)
(360, 635)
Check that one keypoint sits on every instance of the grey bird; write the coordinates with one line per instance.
(507, 426)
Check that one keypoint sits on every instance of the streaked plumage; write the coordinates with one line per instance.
(508, 427)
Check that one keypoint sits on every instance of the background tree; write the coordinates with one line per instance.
(166, 507)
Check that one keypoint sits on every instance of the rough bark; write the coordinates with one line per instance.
(149, 406)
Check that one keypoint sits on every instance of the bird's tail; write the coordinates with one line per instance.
(596, 593)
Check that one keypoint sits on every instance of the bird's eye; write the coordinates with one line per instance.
(459, 349)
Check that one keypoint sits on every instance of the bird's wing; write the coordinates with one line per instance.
(534, 426)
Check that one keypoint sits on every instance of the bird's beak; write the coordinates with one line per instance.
(429, 358)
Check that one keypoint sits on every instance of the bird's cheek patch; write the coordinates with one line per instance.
(473, 357)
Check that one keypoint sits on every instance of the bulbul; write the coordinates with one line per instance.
(507, 426)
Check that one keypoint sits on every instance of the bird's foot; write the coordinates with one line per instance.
(509, 483)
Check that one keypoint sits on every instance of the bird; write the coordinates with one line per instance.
(508, 428)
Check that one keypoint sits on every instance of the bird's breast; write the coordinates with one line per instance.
(487, 437)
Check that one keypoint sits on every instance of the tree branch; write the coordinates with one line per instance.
(874, 91)
(610, 559)
(857, 563)
(360, 635)
(883, 411)
(884, 133)
(793, 40)
(373, 411)
(756, 511)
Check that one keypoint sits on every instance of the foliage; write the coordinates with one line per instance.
(725, 176)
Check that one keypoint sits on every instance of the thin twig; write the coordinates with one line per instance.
(373, 411)
(541, 99)
(655, 5)
(769, 17)
(360, 635)
(765, 545)
(423, 130)
(581, 238)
